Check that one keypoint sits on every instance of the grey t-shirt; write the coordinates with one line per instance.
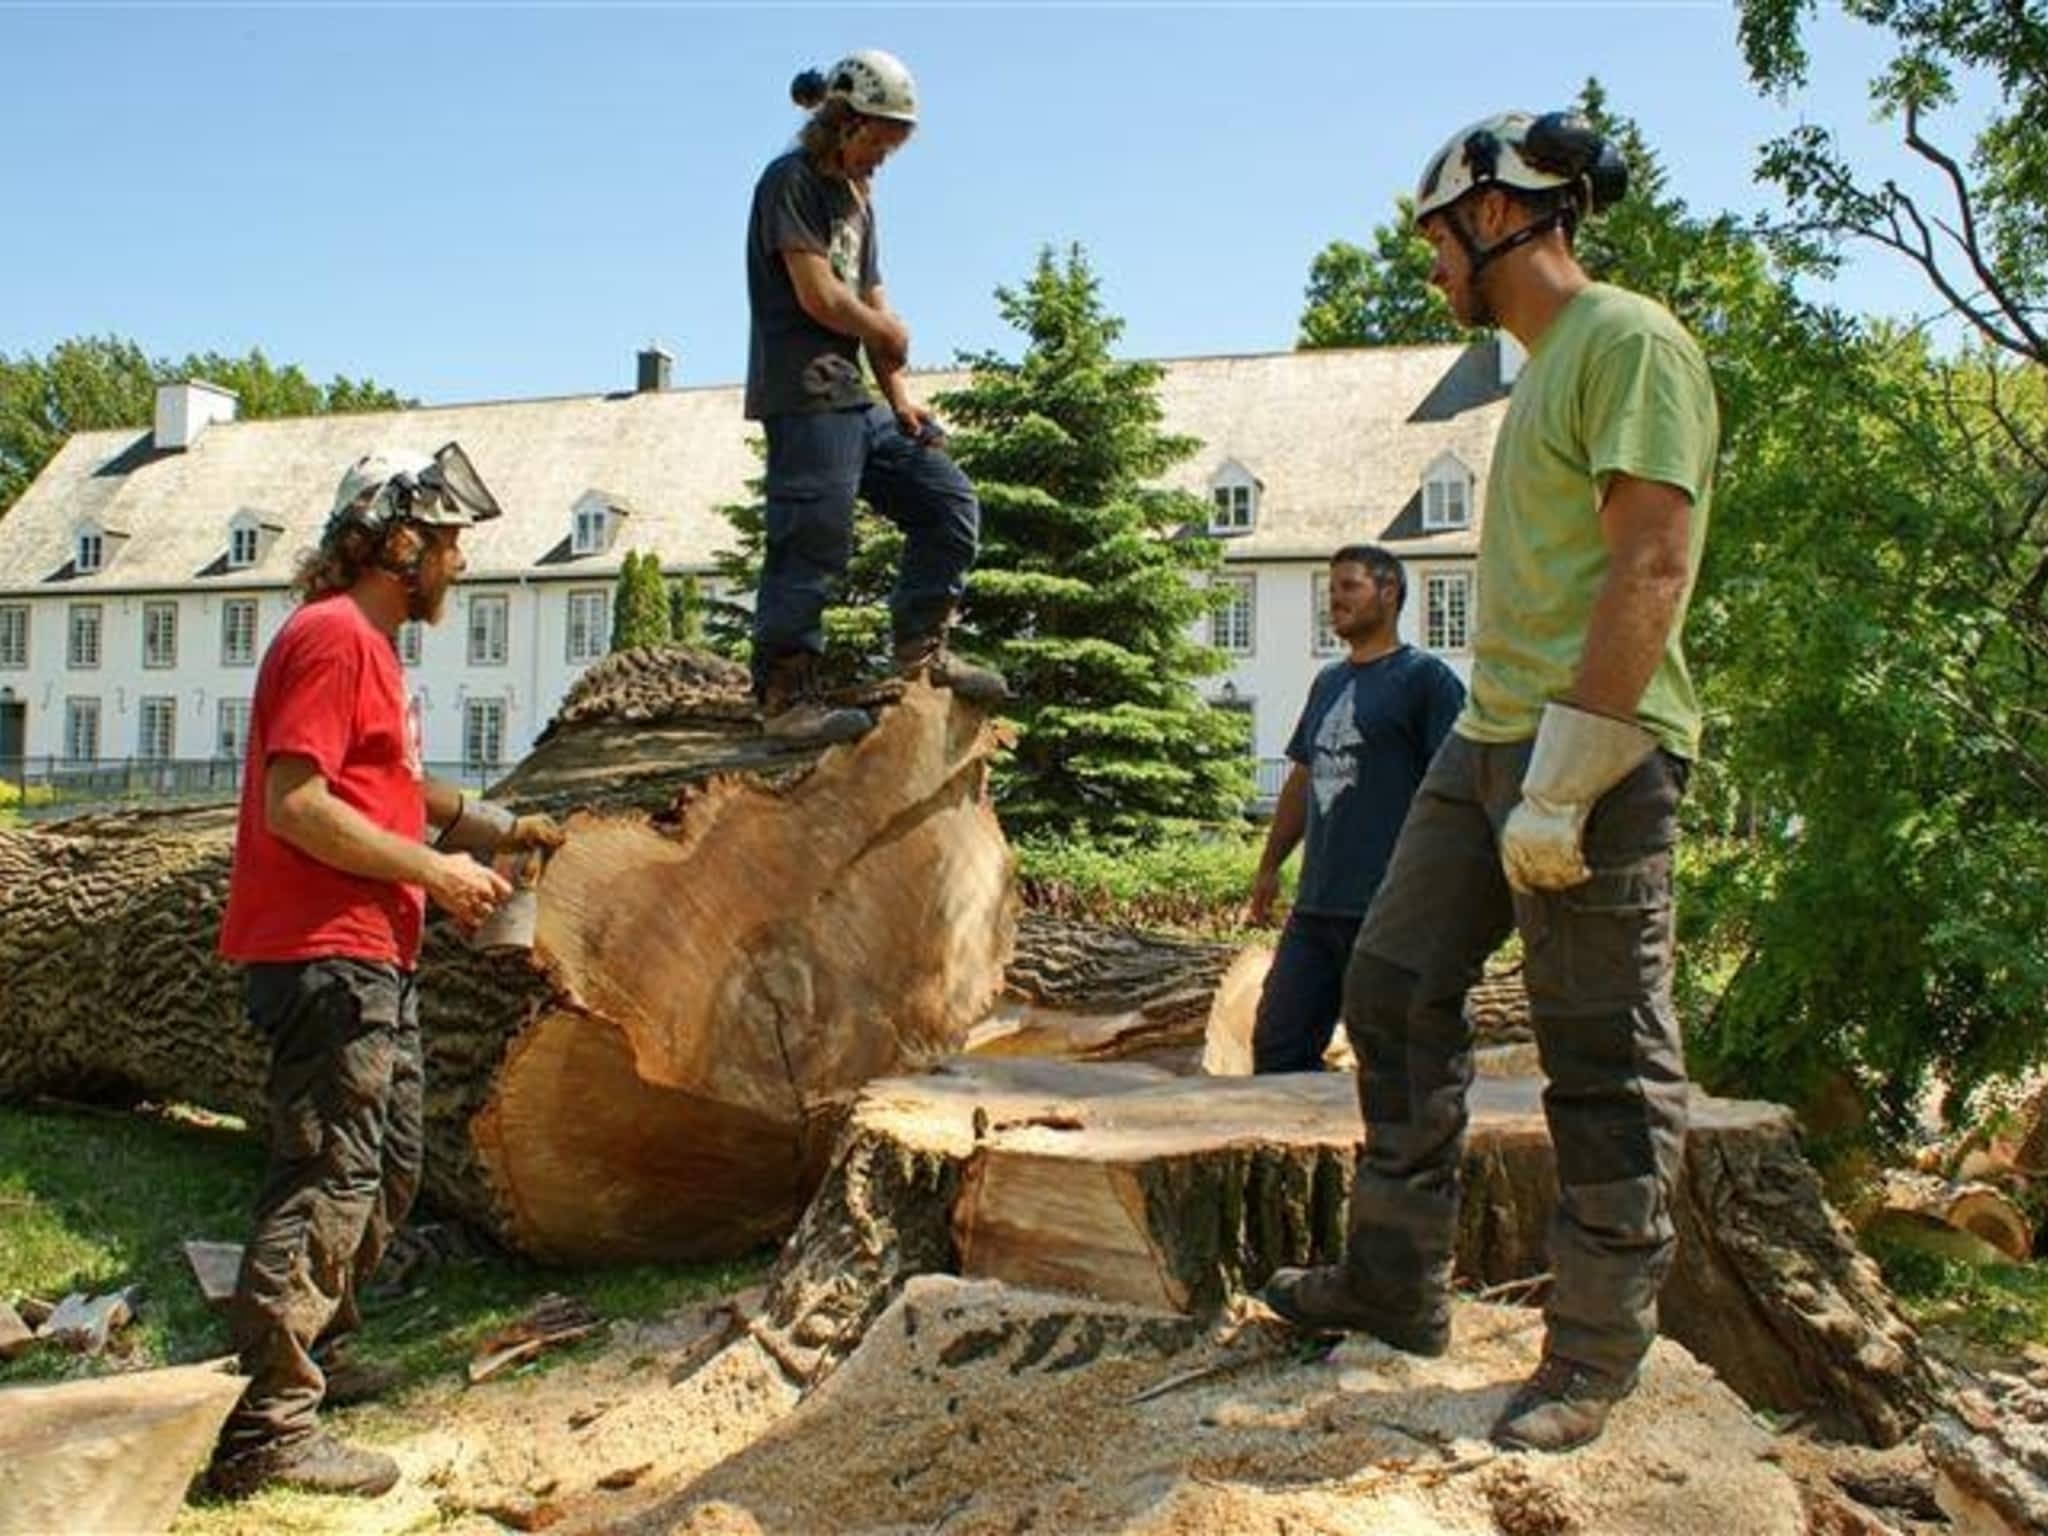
(794, 363)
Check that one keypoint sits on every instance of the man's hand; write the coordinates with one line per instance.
(467, 891)
(535, 831)
(1265, 891)
(918, 423)
(1578, 758)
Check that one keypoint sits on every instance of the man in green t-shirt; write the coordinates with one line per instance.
(1552, 807)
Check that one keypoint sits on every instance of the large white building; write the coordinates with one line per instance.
(142, 574)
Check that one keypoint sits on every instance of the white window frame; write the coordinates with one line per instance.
(232, 654)
(1443, 630)
(1233, 506)
(89, 553)
(1322, 639)
(483, 734)
(590, 532)
(1242, 611)
(81, 728)
(85, 630)
(245, 545)
(231, 730)
(156, 727)
(410, 642)
(155, 656)
(1447, 496)
(593, 630)
(485, 648)
(13, 636)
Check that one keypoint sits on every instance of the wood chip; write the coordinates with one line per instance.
(15, 1335)
(624, 1477)
(83, 1324)
(215, 1266)
(550, 1323)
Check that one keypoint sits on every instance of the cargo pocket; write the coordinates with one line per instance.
(1610, 937)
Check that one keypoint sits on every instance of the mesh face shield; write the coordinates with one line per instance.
(448, 492)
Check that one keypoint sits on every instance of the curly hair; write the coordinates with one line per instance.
(339, 561)
(829, 126)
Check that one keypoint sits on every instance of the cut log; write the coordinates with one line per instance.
(114, 1453)
(1990, 1456)
(1977, 1209)
(15, 1335)
(733, 939)
(1227, 1040)
(1181, 1192)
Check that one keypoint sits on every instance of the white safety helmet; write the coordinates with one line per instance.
(1528, 153)
(440, 490)
(874, 84)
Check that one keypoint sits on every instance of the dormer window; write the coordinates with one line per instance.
(1234, 500)
(248, 537)
(594, 523)
(1446, 495)
(90, 553)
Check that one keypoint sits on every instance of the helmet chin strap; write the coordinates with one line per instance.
(1478, 258)
(408, 574)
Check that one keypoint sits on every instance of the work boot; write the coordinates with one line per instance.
(1562, 1406)
(929, 657)
(358, 1381)
(1323, 1300)
(318, 1463)
(792, 712)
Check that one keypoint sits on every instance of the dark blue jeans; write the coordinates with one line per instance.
(818, 463)
(1304, 995)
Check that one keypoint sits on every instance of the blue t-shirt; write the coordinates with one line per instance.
(1366, 737)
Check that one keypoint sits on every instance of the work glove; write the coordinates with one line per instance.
(484, 828)
(1578, 758)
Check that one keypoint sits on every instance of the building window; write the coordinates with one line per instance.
(411, 640)
(1232, 512)
(231, 737)
(92, 552)
(85, 637)
(590, 625)
(1447, 499)
(1322, 640)
(488, 617)
(1447, 610)
(1230, 627)
(159, 634)
(483, 734)
(245, 542)
(156, 733)
(592, 525)
(13, 635)
(81, 730)
(238, 632)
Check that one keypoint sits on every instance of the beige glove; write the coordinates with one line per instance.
(484, 827)
(1578, 758)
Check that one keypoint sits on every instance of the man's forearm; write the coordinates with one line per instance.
(337, 834)
(837, 309)
(444, 801)
(1290, 822)
(1625, 640)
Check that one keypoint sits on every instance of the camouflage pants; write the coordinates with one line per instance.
(344, 1096)
(1598, 963)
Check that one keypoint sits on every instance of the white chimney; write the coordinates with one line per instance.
(187, 408)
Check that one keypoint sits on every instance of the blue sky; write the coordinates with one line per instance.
(479, 202)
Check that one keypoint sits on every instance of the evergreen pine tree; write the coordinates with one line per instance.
(1091, 581)
(640, 603)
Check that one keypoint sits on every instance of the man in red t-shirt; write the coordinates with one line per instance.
(325, 906)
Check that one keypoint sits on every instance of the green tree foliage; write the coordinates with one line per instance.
(95, 382)
(1091, 578)
(640, 613)
(1379, 297)
(1859, 897)
(686, 611)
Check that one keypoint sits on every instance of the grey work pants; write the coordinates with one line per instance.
(1598, 964)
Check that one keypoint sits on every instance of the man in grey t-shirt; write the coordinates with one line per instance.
(814, 290)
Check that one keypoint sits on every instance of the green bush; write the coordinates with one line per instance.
(1198, 880)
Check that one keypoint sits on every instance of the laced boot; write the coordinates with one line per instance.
(1324, 1300)
(1562, 1406)
(928, 656)
(793, 713)
(317, 1463)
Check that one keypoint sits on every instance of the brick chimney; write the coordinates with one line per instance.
(655, 368)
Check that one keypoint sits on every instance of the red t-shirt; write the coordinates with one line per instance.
(330, 689)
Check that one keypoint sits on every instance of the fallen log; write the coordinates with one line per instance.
(112, 1453)
(731, 941)
(1975, 1208)
(1126, 1185)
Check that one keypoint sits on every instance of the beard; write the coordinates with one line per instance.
(426, 604)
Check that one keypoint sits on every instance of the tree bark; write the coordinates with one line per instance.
(1178, 1193)
(732, 940)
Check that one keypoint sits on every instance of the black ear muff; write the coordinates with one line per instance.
(1608, 178)
(1566, 144)
(807, 90)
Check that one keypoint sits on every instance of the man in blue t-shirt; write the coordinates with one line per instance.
(1372, 723)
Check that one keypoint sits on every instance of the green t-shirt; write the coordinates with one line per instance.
(1615, 385)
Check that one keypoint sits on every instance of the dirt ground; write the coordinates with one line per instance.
(972, 1407)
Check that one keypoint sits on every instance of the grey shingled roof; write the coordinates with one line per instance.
(1339, 440)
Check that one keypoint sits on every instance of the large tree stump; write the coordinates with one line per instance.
(733, 939)
(1171, 1192)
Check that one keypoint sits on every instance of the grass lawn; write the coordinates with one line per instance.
(91, 1201)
